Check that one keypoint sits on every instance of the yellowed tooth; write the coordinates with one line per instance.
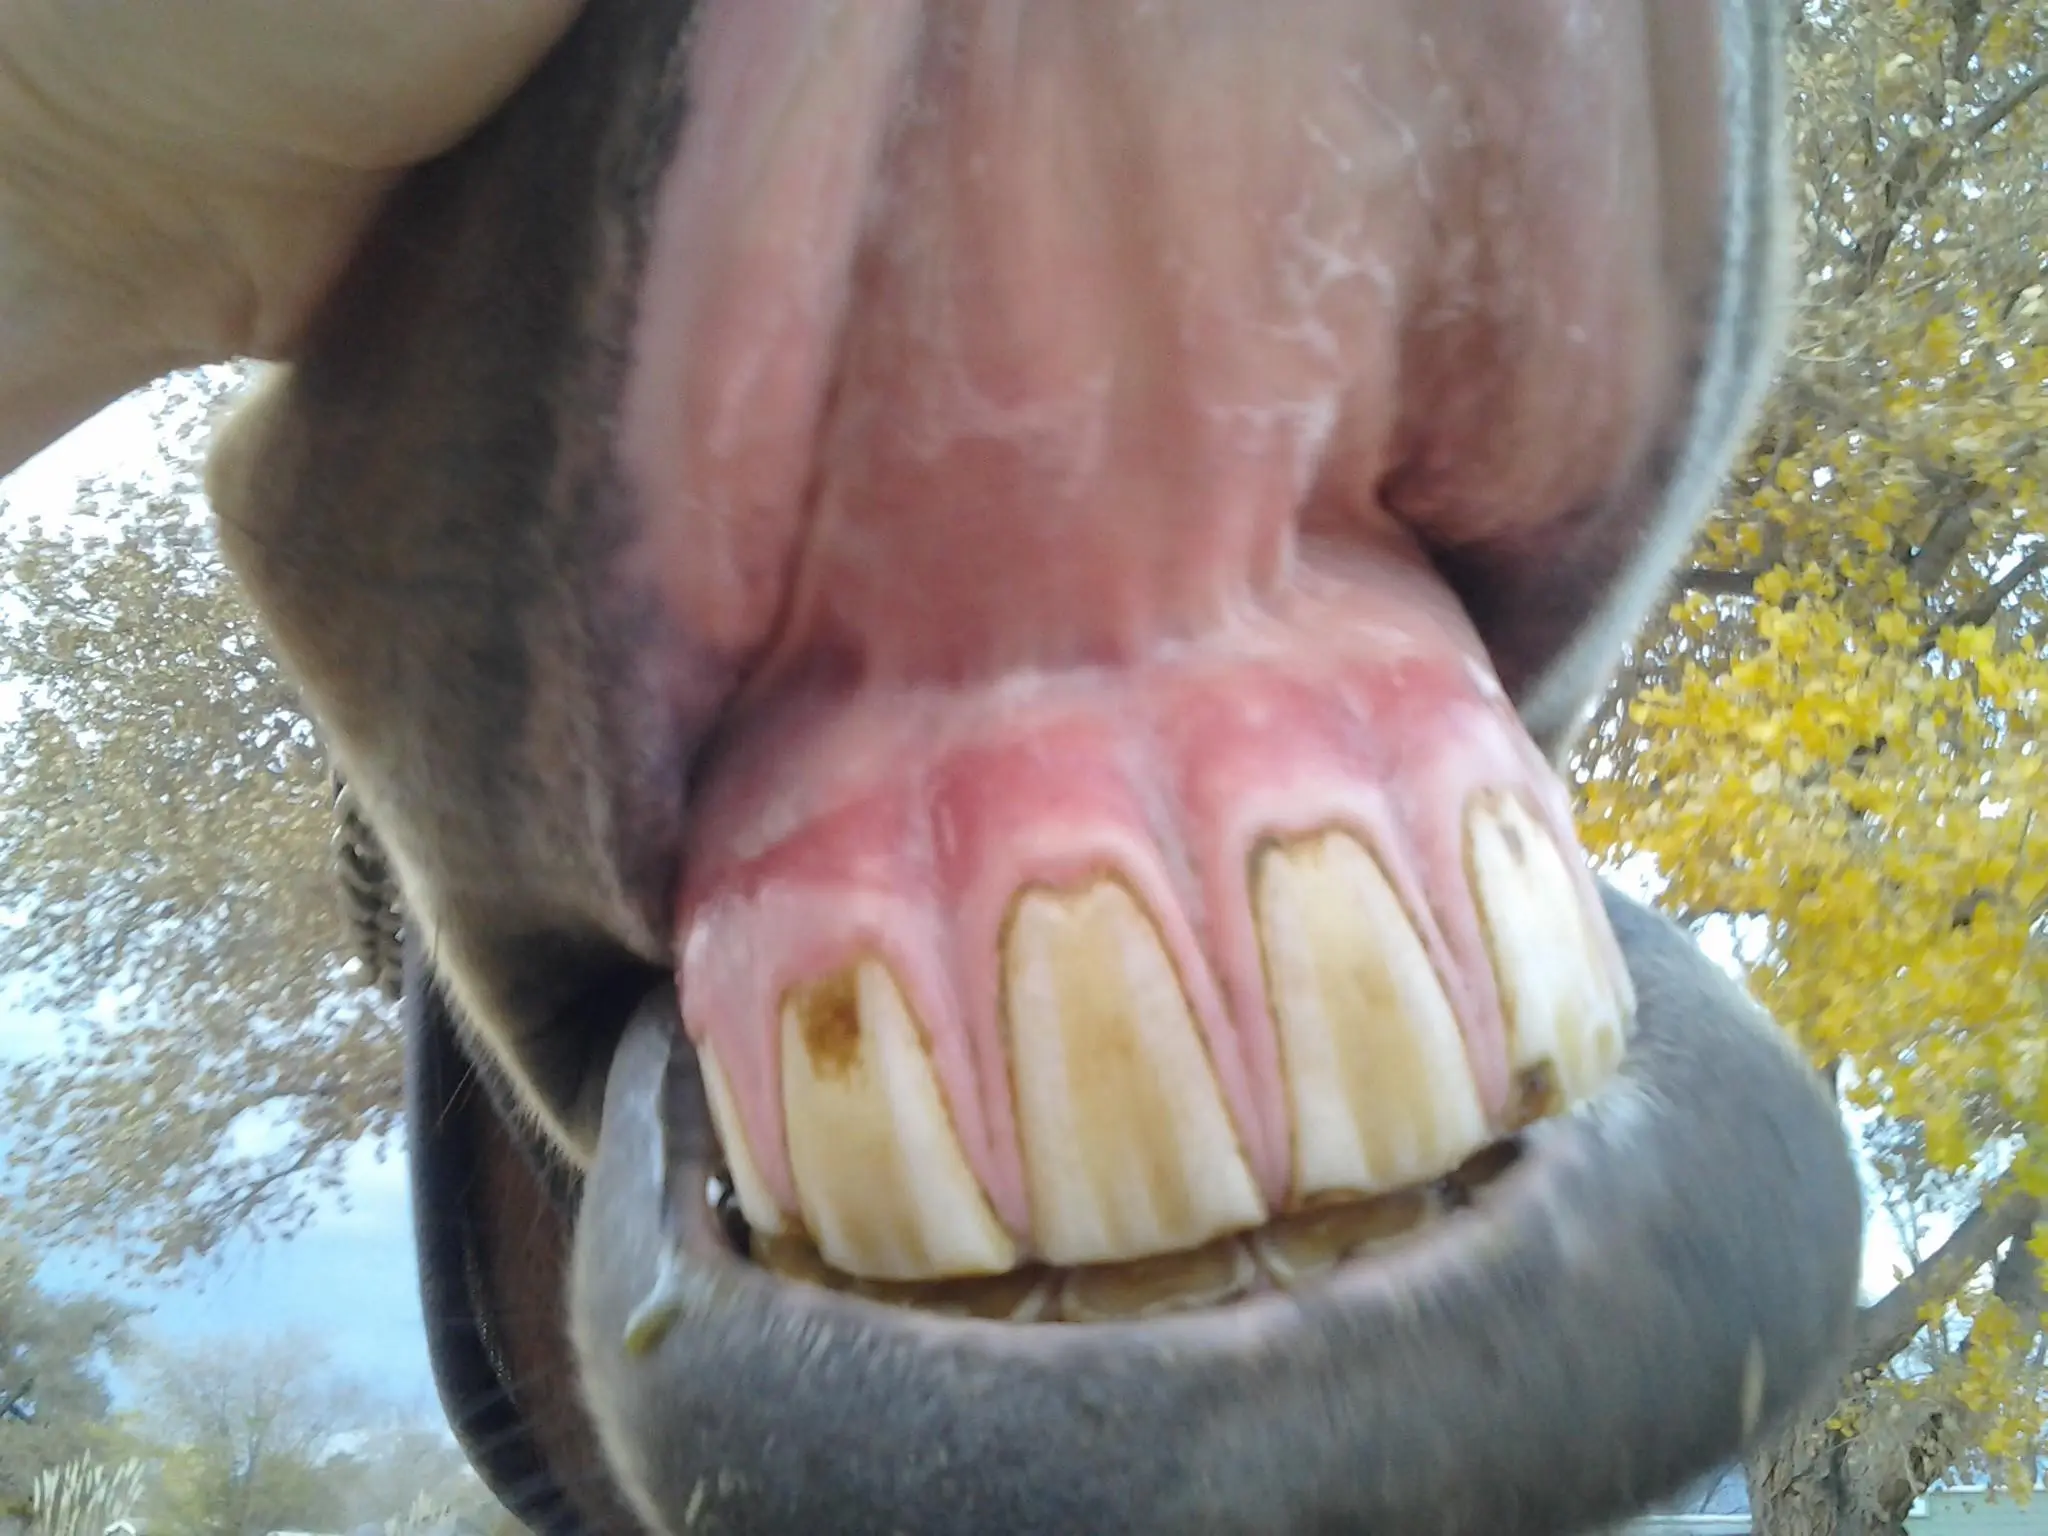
(793, 1257)
(1560, 1005)
(1039, 1304)
(1128, 1148)
(756, 1204)
(1305, 1244)
(1175, 1282)
(1021, 1296)
(1378, 1084)
(880, 1176)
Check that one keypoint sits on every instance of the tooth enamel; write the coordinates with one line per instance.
(1305, 1244)
(1026, 1295)
(793, 1258)
(1560, 1006)
(1175, 1282)
(1128, 1149)
(756, 1204)
(1377, 1080)
(1021, 1296)
(1037, 1305)
(880, 1176)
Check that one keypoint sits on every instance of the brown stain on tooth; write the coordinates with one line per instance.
(881, 1177)
(1535, 1095)
(1511, 841)
(1560, 1004)
(829, 1015)
(1127, 1145)
(1481, 1169)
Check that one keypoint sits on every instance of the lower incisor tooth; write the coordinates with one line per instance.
(1560, 1006)
(1308, 1243)
(1378, 1083)
(881, 1179)
(1175, 1282)
(1021, 1296)
(1128, 1148)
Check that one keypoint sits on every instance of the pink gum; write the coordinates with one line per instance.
(921, 815)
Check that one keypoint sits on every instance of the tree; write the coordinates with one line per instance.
(403, 1466)
(251, 1433)
(165, 817)
(54, 1353)
(1832, 752)
(1834, 747)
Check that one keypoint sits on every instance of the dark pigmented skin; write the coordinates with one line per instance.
(1572, 1345)
(493, 1214)
(1519, 1341)
(428, 513)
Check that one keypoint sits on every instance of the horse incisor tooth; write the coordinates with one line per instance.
(763, 1214)
(1308, 1243)
(1176, 1282)
(1378, 1084)
(1128, 1147)
(1021, 1296)
(881, 1179)
(1558, 996)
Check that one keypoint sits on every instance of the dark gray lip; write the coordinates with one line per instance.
(1668, 1269)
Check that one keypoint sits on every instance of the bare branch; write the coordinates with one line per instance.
(2001, 107)
(1953, 525)
(1986, 607)
(2017, 1279)
(1904, 198)
(1711, 583)
(1887, 1325)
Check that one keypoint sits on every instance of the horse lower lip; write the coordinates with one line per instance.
(1291, 1251)
(1668, 1267)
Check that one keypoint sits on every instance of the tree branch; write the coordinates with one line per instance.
(15, 1404)
(1953, 525)
(2017, 1279)
(1712, 583)
(1945, 1420)
(1986, 607)
(1831, 405)
(2001, 107)
(1904, 199)
(1887, 1325)
(1962, 493)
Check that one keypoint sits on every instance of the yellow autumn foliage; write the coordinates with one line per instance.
(1835, 742)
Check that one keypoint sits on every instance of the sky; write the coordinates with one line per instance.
(348, 1278)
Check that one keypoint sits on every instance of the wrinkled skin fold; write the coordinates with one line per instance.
(658, 523)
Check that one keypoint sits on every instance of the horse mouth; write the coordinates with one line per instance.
(1583, 1316)
(1292, 1250)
